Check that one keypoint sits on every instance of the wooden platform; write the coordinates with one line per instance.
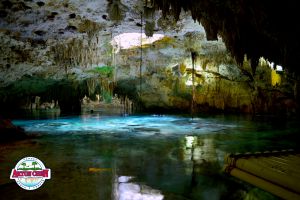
(277, 172)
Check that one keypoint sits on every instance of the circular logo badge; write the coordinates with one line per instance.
(30, 173)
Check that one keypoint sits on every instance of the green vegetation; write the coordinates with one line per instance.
(34, 164)
(24, 165)
(103, 71)
(30, 168)
(34, 168)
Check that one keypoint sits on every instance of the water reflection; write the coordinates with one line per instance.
(96, 156)
(203, 166)
(126, 190)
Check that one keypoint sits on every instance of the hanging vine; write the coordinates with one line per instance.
(193, 55)
(149, 16)
(141, 59)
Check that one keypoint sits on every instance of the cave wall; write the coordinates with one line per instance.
(221, 85)
(61, 50)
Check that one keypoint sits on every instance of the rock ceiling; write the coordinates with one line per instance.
(256, 28)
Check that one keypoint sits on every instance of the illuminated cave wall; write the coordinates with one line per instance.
(64, 52)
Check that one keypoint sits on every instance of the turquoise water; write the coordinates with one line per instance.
(138, 126)
(98, 156)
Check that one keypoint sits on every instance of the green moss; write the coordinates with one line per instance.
(164, 40)
(103, 71)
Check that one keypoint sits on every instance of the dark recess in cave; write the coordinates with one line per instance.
(40, 3)
(255, 28)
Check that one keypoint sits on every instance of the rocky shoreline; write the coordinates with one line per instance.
(10, 132)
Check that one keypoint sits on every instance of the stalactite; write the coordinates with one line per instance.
(91, 86)
(116, 10)
(246, 27)
(148, 14)
(76, 52)
(149, 28)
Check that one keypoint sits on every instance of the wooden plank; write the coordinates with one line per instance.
(269, 171)
(265, 185)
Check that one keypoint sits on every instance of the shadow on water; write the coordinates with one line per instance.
(99, 156)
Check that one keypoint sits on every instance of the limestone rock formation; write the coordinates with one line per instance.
(63, 51)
